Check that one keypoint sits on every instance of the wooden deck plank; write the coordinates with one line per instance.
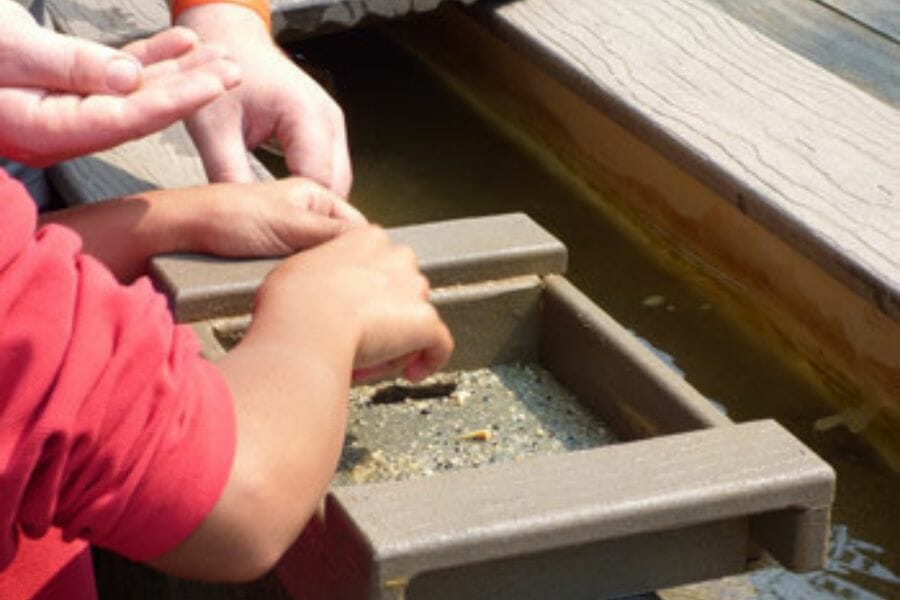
(804, 153)
(882, 16)
(844, 46)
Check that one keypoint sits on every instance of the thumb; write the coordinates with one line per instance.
(308, 229)
(59, 62)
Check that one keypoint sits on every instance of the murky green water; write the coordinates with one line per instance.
(420, 154)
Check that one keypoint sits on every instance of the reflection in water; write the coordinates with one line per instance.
(420, 155)
(849, 560)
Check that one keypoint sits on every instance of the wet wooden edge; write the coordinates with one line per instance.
(796, 148)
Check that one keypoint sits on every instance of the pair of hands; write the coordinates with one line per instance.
(347, 267)
(62, 97)
(351, 282)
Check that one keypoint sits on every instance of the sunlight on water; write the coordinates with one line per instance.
(849, 561)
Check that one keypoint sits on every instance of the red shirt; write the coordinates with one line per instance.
(113, 430)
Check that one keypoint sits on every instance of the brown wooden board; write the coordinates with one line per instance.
(449, 252)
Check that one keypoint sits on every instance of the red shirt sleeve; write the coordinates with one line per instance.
(112, 427)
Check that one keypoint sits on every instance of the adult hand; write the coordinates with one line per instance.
(62, 97)
(275, 100)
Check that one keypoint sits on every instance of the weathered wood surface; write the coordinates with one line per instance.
(882, 16)
(832, 39)
(801, 151)
(167, 159)
(118, 21)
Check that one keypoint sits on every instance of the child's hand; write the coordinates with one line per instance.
(268, 219)
(355, 302)
(368, 290)
(234, 220)
(62, 97)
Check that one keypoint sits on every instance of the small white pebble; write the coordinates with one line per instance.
(654, 301)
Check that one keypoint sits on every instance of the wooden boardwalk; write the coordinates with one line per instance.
(858, 40)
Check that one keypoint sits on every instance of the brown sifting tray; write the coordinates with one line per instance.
(687, 496)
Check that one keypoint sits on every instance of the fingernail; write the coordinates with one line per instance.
(123, 75)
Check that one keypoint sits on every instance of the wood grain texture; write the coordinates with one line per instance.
(882, 16)
(166, 159)
(843, 45)
(799, 150)
(161, 160)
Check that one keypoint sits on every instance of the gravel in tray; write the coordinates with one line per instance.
(462, 419)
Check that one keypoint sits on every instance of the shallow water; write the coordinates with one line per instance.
(420, 154)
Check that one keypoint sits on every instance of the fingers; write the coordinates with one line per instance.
(314, 197)
(309, 229)
(369, 289)
(54, 61)
(183, 62)
(165, 45)
(59, 126)
(382, 370)
(169, 98)
(341, 171)
(316, 147)
(434, 356)
(217, 133)
(308, 147)
(314, 139)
